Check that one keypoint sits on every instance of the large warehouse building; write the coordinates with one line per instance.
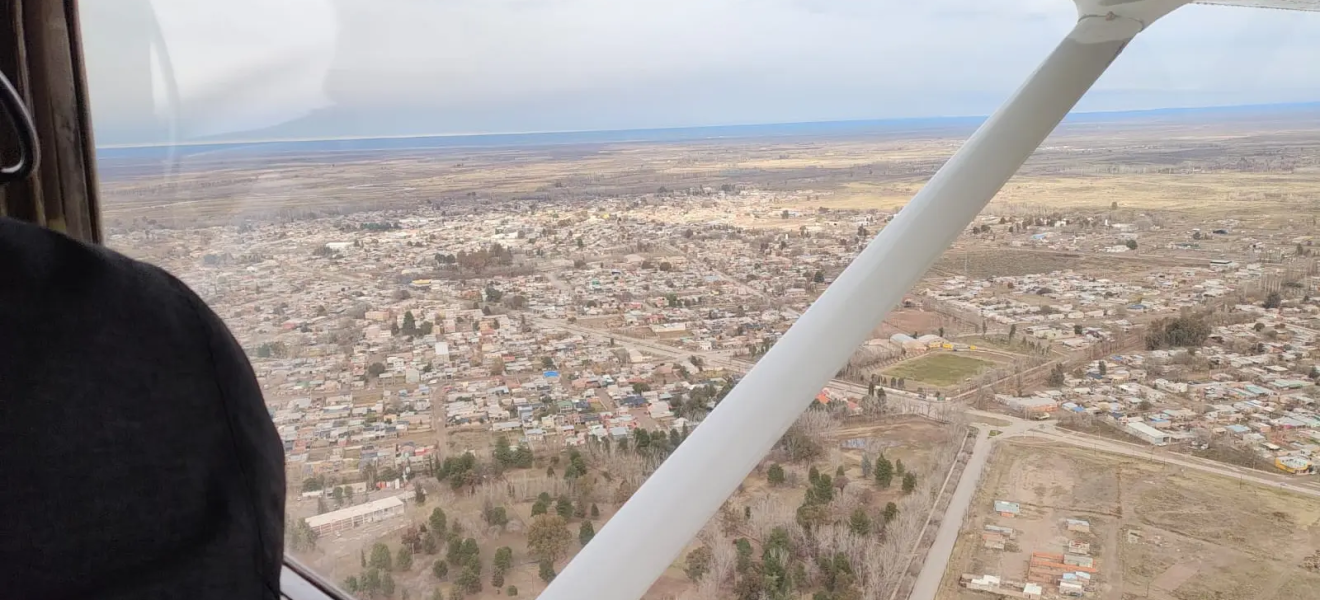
(355, 516)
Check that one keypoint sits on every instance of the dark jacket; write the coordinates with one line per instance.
(137, 458)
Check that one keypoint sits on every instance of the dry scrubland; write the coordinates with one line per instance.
(1157, 531)
(1252, 169)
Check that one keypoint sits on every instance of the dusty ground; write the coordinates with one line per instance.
(1156, 532)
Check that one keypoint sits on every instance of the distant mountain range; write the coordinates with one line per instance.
(823, 129)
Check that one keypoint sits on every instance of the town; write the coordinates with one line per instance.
(496, 352)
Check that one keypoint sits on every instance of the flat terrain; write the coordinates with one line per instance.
(939, 369)
(1263, 165)
(1156, 531)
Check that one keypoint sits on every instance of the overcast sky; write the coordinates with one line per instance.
(326, 68)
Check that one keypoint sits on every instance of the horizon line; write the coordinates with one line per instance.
(682, 127)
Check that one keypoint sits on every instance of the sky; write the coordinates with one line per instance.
(192, 70)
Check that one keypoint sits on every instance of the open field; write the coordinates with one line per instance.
(941, 369)
(1156, 531)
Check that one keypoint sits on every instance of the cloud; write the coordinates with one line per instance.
(447, 66)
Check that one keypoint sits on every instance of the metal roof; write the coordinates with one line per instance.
(360, 510)
(1307, 5)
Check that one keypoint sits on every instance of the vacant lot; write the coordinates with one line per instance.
(939, 369)
(1157, 532)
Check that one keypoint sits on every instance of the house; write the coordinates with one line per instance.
(1078, 525)
(1007, 509)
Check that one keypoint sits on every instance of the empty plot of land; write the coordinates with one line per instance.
(941, 369)
(1155, 531)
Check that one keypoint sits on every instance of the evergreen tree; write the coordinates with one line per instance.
(909, 483)
(891, 511)
(586, 532)
(859, 523)
(884, 472)
(437, 521)
(380, 557)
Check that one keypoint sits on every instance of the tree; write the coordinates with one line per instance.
(890, 512)
(468, 580)
(302, 537)
(547, 571)
(744, 550)
(419, 494)
(539, 508)
(496, 516)
(1056, 377)
(503, 558)
(775, 474)
(387, 584)
(909, 483)
(497, 579)
(440, 569)
(698, 563)
(523, 457)
(376, 369)
(899, 469)
(351, 584)
(866, 467)
(380, 557)
(548, 537)
(564, 506)
(409, 323)
(1012, 331)
(859, 523)
(586, 532)
(471, 554)
(884, 472)
(595, 512)
(1273, 300)
(437, 521)
(1131, 244)
(1104, 369)
(513, 589)
(811, 515)
(404, 560)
